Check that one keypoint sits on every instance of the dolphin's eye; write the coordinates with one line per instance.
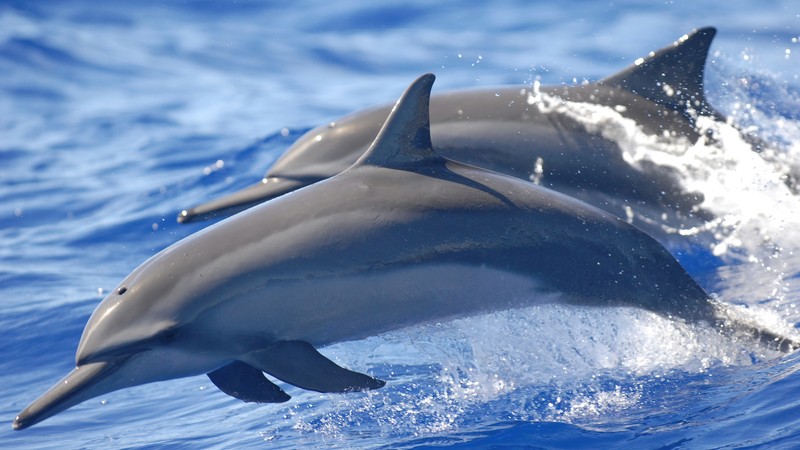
(168, 335)
(122, 290)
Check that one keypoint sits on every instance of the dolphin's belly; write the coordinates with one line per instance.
(327, 310)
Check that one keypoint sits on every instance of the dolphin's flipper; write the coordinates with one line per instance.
(245, 382)
(300, 364)
(672, 76)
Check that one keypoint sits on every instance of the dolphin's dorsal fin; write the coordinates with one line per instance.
(672, 76)
(405, 138)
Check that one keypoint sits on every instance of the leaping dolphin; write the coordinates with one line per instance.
(501, 130)
(402, 237)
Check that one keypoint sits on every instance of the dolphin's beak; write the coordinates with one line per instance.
(79, 385)
(267, 189)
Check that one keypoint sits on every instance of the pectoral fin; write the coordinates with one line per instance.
(245, 382)
(300, 364)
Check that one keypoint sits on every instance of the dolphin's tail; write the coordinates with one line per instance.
(738, 321)
(673, 76)
(771, 339)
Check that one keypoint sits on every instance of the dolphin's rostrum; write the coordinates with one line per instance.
(402, 237)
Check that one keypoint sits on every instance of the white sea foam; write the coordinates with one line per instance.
(569, 363)
(747, 192)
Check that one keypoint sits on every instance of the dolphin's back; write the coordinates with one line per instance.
(438, 242)
(500, 129)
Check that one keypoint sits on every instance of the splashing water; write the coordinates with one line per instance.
(572, 363)
(741, 187)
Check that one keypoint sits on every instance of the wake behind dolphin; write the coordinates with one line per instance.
(402, 237)
(503, 130)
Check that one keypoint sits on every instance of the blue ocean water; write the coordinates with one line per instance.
(116, 115)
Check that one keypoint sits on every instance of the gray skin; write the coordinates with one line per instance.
(402, 237)
(499, 130)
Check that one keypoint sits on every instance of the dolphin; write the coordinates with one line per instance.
(503, 129)
(402, 237)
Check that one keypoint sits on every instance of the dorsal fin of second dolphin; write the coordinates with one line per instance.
(657, 79)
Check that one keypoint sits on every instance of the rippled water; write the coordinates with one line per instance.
(115, 116)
